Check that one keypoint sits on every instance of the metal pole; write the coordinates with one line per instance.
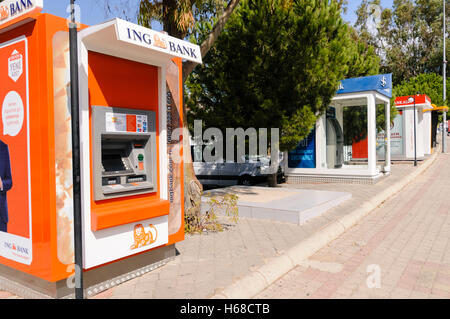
(444, 75)
(78, 244)
(415, 138)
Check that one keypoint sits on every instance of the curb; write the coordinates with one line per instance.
(258, 280)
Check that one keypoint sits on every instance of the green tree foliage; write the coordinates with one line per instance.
(277, 64)
(200, 20)
(364, 62)
(183, 18)
(408, 37)
(355, 121)
(179, 18)
(354, 124)
(363, 59)
(430, 84)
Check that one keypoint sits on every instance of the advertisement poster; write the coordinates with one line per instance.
(304, 156)
(396, 138)
(174, 144)
(15, 186)
(63, 149)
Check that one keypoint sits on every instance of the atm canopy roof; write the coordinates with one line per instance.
(14, 13)
(381, 83)
(420, 100)
(123, 38)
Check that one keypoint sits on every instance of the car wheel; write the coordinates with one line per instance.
(246, 181)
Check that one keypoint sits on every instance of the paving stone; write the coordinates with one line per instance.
(410, 228)
(406, 239)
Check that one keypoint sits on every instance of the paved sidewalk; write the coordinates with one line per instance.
(406, 242)
(7, 295)
(210, 262)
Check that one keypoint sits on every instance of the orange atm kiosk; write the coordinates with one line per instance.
(131, 151)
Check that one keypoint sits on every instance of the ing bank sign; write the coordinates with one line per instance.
(13, 9)
(158, 41)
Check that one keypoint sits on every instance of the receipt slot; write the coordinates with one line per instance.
(124, 152)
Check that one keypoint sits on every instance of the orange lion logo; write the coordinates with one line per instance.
(160, 43)
(141, 238)
(4, 12)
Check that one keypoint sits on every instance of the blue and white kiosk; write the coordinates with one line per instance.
(321, 158)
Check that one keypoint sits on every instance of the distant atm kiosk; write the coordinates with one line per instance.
(132, 192)
(403, 147)
(326, 158)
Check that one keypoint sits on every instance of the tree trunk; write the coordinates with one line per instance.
(272, 180)
(193, 188)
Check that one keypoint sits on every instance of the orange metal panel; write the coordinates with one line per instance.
(112, 82)
(116, 82)
(105, 217)
(43, 227)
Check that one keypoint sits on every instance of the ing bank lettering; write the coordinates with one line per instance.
(138, 36)
(19, 6)
(14, 8)
(146, 38)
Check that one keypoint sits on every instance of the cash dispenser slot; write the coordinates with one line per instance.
(122, 166)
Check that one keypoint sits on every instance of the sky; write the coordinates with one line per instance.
(91, 12)
(94, 12)
(354, 4)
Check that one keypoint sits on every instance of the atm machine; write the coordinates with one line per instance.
(335, 140)
(124, 159)
(132, 187)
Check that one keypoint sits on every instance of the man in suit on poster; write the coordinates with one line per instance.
(5, 185)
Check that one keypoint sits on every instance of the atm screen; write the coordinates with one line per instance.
(113, 162)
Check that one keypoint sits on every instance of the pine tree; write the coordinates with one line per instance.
(408, 38)
(277, 64)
